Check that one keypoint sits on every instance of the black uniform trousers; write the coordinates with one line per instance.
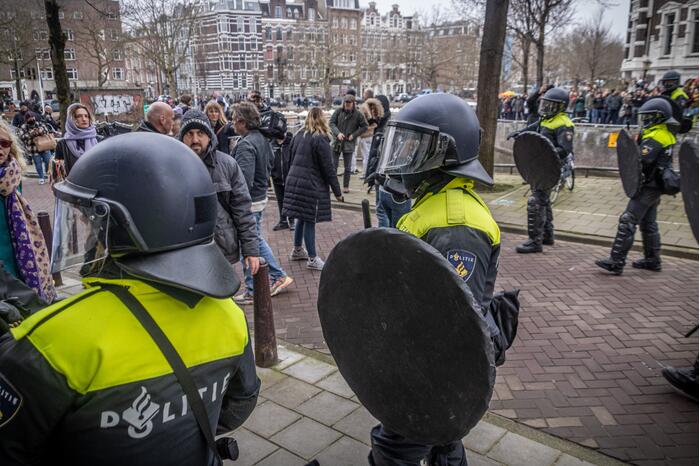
(392, 449)
(644, 207)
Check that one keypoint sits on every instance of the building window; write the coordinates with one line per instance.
(77, 15)
(343, 23)
(72, 73)
(116, 54)
(118, 74)
(278, 33)
(353, 24)
(278, 11)
(113, 35)
(69, 34)
(69, 54)
(335, 22)
(43, 54)
(40, 35)
(47, 73)
(668, 32)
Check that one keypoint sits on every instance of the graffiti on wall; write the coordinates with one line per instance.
(126, 106)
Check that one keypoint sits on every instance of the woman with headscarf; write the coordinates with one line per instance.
(221, 126)
(23, 252)
(80, 136)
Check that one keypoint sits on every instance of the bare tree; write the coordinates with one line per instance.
(102, 48)
(163, 31)
(17, 42)
(599, 53)
(57, 42)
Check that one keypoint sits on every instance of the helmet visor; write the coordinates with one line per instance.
(646, 120)
(548, 107)
(80, 234)
(408, 149)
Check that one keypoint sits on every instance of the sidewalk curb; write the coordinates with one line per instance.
(574, 237)
(565, 446)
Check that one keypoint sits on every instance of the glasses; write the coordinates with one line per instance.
(5, 143)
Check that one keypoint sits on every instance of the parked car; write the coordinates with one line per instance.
(314, 103)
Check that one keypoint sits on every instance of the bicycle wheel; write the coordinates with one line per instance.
(571, 180)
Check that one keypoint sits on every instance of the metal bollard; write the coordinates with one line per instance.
(45, 225)
(263, 319)
(366, 216)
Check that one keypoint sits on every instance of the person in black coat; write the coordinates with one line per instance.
(222, 127)
(280, 169)
(306, 196)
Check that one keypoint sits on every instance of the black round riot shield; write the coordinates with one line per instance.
(688, 160)
(537, 160)
(403, 329)
(629, 163)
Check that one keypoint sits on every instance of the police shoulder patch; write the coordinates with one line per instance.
(463, 261)
(10, 401)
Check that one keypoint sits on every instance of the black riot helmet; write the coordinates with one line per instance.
(552, 102)
(655, 111)
(433, 133)
(147, 201)
(670, 81)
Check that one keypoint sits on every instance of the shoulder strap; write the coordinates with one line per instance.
(174, 360)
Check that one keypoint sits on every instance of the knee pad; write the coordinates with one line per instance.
(649, 228)
(533, 202)
(628, 222)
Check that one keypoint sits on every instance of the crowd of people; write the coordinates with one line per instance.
(593, 104)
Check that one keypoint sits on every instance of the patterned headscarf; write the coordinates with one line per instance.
(31, 255)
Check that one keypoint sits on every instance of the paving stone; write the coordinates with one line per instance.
(270, 418)
(516, 450)
(252, 448)
(306, 438)
(475, 459)
(286, 358)
(568, 460)
(269, 377)
(310, 370)
(357, 425)
(483, 437)
(603, 415)
(555, 422)
(344, 452)
(335, 383)
(282, 458)
(290, 393)
(327, 408)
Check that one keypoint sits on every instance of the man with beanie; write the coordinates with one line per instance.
(235, 224)
(254, 155)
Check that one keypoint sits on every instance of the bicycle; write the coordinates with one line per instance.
(567, 178)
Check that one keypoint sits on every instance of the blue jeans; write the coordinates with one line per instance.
(42, 168)
(305, 231)
(276, 271)
(388, 210)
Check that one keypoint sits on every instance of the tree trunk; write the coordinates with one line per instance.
(57, 42)
(540, 56)
(490, 60)
(18, 80)
(526, 65)
(172, 82)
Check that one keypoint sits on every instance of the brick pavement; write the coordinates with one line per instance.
(586, 364)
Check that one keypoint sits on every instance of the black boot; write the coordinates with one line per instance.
(621, 245)
(535, 224)
(685, 379)
(652, 248)
(548, 236)
(281, 225)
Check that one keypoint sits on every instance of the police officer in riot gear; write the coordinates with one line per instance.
(656, 144)
(670, 83)
(85, 381)
(554, 124)
(430, 153)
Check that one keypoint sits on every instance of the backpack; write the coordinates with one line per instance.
(273, 125)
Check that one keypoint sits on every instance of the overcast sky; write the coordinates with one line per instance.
(585, 9)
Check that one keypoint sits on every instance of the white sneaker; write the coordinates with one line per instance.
(298, 254)
(315, 264)
(42, 181)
